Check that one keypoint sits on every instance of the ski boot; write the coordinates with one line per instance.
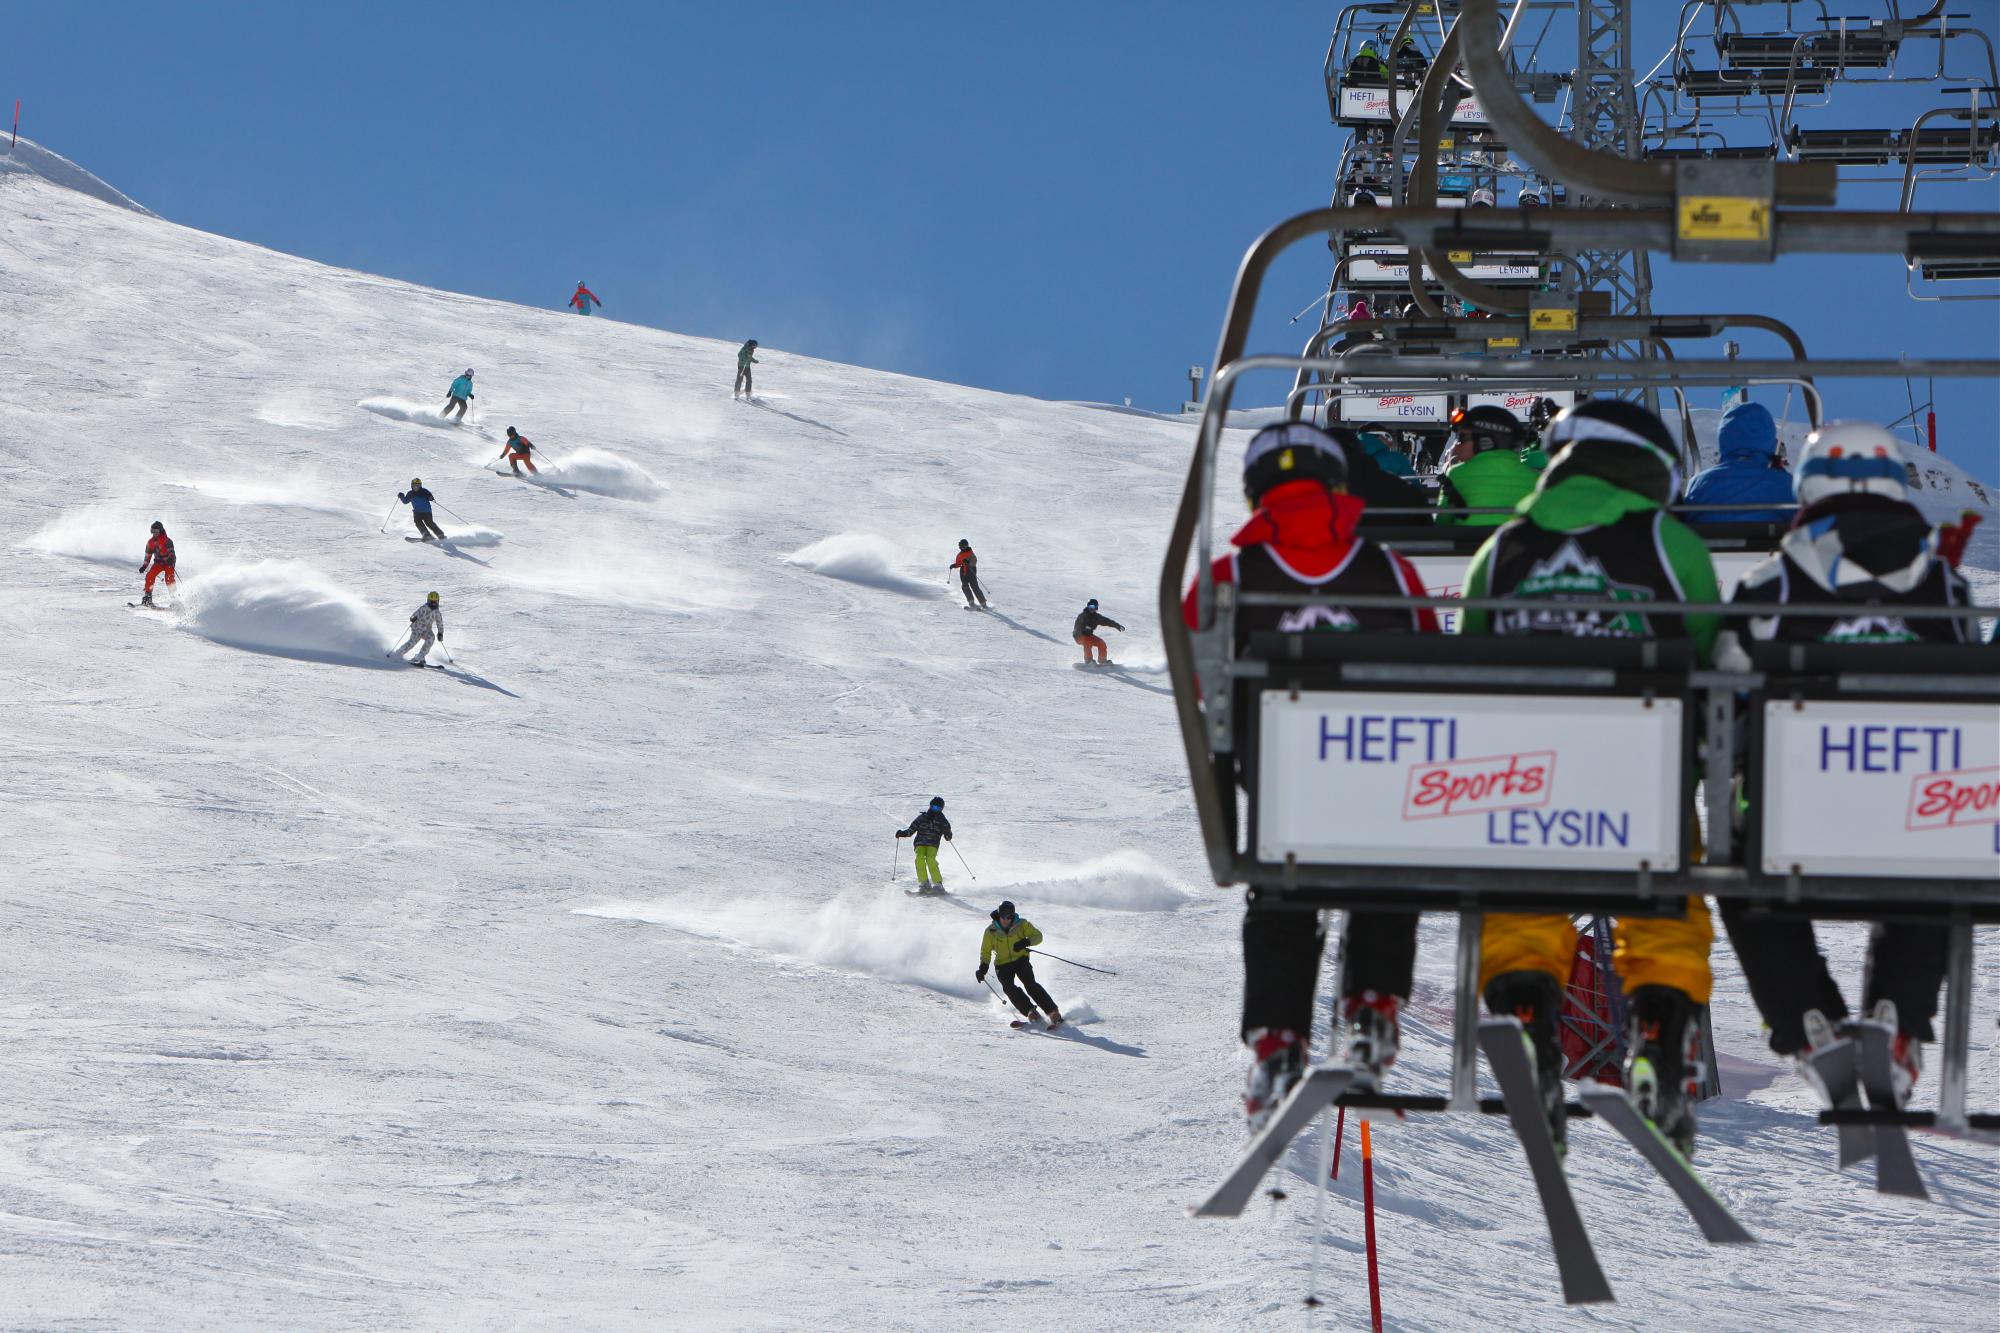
(146, 598)
(1906, 1053)
(1277, 1061)
(1055, 1018)
(1373, 1036)
(1663, 1062)
(1536, 998)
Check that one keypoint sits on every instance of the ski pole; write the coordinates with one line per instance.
(1072, 962)
(961, 860)
(896, 861)
(447, 653)
(996, 990)
(386, 517)
(453, 512)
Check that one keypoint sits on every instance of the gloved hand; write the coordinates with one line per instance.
(440, 636)
(980, 975)
(947, 837)
(902, 833)
(1024, 946)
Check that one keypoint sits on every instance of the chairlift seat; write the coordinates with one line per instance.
(1750, 83)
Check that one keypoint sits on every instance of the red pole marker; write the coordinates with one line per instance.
(1368, 1207)
(17, 126)
(1930, 429)
(1339, 1128)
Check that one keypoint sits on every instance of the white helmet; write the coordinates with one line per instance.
(1850, 458)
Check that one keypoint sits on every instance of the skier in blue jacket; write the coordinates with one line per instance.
(460, 394)
(419, 499)
(1749, 472)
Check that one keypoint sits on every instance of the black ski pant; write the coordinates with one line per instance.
(1788, 975)
(968, 583)
(743, 380)
(426, 525)
(458, 403)
(1022, 971)
(1281, 953)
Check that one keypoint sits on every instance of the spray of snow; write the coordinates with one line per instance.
(883, 933)
(115, 537)
(286, 608)
(299, 409)
(1125, 880)
(859, 557)
(306, 493)
(473, 536)
(402, 409)
(604, 473)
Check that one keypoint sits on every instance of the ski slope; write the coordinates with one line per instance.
(569, 987)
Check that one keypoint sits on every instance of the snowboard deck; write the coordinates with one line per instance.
(1614, 1106)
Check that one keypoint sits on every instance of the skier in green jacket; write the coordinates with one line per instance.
(746, 357)
(1486, 470)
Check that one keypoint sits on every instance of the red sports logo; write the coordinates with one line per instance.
(1955, 799)
(1472, 786)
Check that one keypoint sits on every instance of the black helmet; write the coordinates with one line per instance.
(937, 802)
(512, 431)
(964, 545)
(1618, 441)
(1090, 605)
(1289, 452)
(159, 526)
(1490, 427)
(1004, 909)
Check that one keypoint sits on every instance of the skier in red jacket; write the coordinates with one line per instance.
(159, 560)
(583, 299)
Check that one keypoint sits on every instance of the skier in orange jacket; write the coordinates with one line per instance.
(159, 560)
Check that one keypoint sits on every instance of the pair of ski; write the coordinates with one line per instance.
(1508, 1055)
(1861, 1062)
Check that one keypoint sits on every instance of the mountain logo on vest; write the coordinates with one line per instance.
(1870, 629)
(1571, 573)
(1310, 618)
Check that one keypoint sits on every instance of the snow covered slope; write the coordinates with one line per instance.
(568, 987)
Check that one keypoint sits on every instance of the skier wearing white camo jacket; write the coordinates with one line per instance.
(426, 625)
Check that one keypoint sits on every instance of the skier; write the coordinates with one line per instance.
(583, 299)
(1539, 417)
(518, 450)
(1366, 67)
(158, 561)
(1486, 471)
(1856, 541)
(459, 394)
(1596, 526)
(1006, 944)
(426, 624)
(927, 828)
(1376, 485)
(1084, 631)
(420, 500)
(967, 565)
(1749, 473)
(1301, 538)
(746, 357)
(1385, 455)
(1411, 62)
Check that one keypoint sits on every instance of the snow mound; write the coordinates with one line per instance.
(1126, 881)
(402, 409)
(858, 557)
(286, 608)
(30, 158)
(472, 536)
(304, 494)
(604, 473)
(882, 933)
(115, 537)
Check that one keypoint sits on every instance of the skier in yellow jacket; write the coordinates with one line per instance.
(1005, 945)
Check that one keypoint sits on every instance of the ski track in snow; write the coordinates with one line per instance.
(368, 999)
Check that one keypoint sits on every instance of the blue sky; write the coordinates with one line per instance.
(1045, 198)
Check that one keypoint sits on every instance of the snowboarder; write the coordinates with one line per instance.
(1596, 528)
(158, 561)
(746, 357)
(927, 828)
(1302, 537)
(419, 500)
(517, 452)
(583, 299)
(967, 565)
(1857, 540)
(1005, 945)
(459, 394)
(1084, 631)
(1749, 473)
(1486, 471)
(426, 624)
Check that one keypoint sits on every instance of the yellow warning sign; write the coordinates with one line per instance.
(1552, 321)
(1723, 217)
(1502, 344)
(1461, 256)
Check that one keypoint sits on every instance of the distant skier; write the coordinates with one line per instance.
(518, 451)
(746, 357)
(158, 561)
(1084, 632)
(459, 394)
(583, 299)
(420, 500)
(1485, 471)
(1005, 944)
(967, 565)
(426, 625)
(1749, 471)
(927, 828)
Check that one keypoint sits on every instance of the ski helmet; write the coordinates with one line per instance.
(159, 526)
(416, 482)
(511, 432)
(468, 370)
(964, 545)
(1004, 909)
(1090, 605)
(432, 598)
(937, 802)
(1850, 458)
(1618, 441)
(1290, 452)
(1489, 427)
